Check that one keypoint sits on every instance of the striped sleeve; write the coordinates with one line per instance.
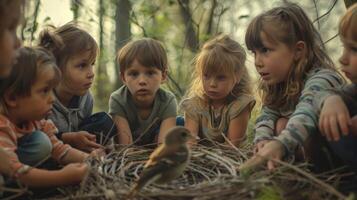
(8, 142)
(304, 120)
(265, 124)
(59, 149)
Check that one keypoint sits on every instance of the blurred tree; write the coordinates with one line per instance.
(75, 6)
(102, 86)
(122, 31)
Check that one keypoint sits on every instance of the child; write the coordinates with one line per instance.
(75, 52)
(142, 111)
(293, 66)
(220, 99)
(338, 119)
(26, 98)
(10, 13)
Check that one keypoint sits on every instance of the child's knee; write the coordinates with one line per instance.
(36, 149)
(42, 146)
(281, 124)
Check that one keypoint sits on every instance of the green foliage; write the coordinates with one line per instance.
(269, 193)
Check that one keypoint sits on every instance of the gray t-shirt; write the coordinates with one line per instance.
(145, 131)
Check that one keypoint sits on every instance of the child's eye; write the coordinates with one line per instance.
(264, 50)
(82, 65)
(46, 90)
(354, 49)
(134, 74)
(221, 77)
(150, 73)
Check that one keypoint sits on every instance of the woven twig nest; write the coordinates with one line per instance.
(211, 174)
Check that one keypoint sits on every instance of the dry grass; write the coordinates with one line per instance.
(211, 174)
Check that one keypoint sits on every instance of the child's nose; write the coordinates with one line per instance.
(344, 58)
(52, 97)
(142, 79)
(90, 74)
(258, 61)
(212, 82)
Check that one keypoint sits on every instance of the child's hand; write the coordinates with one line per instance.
(271, 150)
(81, 140)
(334, 118)
(260, 145)
(97, 153)
(74, 172)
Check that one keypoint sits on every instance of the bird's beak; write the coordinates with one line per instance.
(191, 137)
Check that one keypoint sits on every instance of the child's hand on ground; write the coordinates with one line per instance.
(81, 140)
(270, 151)
(334, 118)
(260, 145)
(74, 172)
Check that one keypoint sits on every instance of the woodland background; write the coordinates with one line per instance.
(182, 25)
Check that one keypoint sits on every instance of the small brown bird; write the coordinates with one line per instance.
(167, 162)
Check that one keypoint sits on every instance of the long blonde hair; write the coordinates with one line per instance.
(220, 54)
(288, 24)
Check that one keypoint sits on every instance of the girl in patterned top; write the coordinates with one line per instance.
(220, 100)
(293, 66)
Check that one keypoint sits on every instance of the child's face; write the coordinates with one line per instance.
(143, 82)
(218, 86)
(38, 105)
(9, 42)
(274, 61)
(349, 60)
(78, 74)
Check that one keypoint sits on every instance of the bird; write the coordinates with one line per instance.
(167, 162)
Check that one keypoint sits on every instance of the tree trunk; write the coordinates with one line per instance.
(102, 85)
(75, 8)
(211, 17)
(122, 31)
(191, 38)
(34, 22)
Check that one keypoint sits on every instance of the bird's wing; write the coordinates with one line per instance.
(167, 154)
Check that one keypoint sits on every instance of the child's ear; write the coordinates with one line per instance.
(164, 76)
(122, 77)
(300, 50)
(10, 99)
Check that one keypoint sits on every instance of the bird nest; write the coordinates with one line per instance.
(211, 174)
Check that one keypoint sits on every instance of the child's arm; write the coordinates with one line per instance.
(166, 124)
(304, 120)
(193, 127)
(264, 129)
(70, 174)
(124, 132)
(238, 126)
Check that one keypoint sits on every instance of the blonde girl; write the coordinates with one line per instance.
(220, 100)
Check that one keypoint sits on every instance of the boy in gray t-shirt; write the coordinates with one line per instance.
(142, 111)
